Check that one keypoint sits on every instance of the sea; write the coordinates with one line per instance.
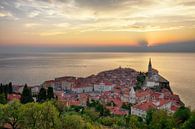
(35, 68)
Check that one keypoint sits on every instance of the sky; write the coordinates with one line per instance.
(97, 24)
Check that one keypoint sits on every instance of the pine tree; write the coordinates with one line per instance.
(50, 94)
(1, 88)
(42, 95)
(10, 89)
(26, 95)
(3, 99)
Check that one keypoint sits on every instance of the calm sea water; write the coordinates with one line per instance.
(178, 68)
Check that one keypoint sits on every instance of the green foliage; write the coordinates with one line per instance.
(127, 106)
(76, 108)
(99, 108)
(182, 114)
(149, 116)
(12, 115)
(3, 99)
(60, 106)
(190, 123)
(73, 122)
(111, 104)
(49, 117)
(134, 122)
(54, 115)
(107, 121)
(93, 115)
(10, 89)
(160, 120)
(31, 111)
(42, 95)
(103, 111)
(140, 80)
(30, 116)
(50, 94)
(120, 121)
(26, 96)
(92, 103)
(1, 116)
(4, 90)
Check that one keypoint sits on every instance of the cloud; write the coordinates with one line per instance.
(34, 14)
(41, 17)
(62, 25)
(29, 25)
(51, 33)
(5, 14)
(100, 4)
(143, 43)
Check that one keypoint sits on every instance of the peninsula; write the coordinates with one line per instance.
(122, 91)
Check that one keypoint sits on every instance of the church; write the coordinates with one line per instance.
(153, 78)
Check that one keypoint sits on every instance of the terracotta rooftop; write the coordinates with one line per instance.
(145, 106)
(13, 96)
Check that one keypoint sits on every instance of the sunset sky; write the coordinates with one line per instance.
(96, 22)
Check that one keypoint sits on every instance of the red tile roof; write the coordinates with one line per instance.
(174, 108)
(13, 96)
(50, 81)
(145, 106)
(74, 102)
(163, 101)
(142, 93)
(117, 110)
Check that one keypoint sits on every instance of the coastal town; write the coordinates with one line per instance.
(113, 89)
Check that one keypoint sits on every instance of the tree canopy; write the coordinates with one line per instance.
(50, 94)
(182, 114)
(3, 99)
(42, 95)
(55, 115)
(26, 95)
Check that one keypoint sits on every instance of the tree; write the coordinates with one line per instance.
(1, 116)
(60, 106)
(73, 122)
(12, 115)
(7, 89)
(1, 88)
(50, 94)
(107, 121)
(100, 108)
(76, 108)
(190, 123)
(149, 116)
(135, 122)
(31, 111)
(43, 116)
(3, 99)
(91, 113)
(42, 95)
(10, 89)
(50, 116)
(182, 114)
(127, 106)
(120, 121)
(140, 80)
(160, 120)
(26, 95)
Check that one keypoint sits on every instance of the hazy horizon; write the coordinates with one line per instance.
(143, 47)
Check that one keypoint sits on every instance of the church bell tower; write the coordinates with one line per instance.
(149, 69)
